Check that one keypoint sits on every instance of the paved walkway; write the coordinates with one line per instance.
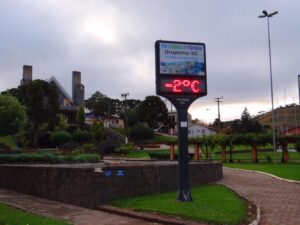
(278, 200)
(73, 214)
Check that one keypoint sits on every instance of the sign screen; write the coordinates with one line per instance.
(181, 59)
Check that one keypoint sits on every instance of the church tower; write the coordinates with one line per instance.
(77, 89)
(27, 74)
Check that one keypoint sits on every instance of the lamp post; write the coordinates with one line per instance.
(268, 15)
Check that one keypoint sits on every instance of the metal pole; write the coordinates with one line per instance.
(268, 15)
(184, 194)
(271, 79)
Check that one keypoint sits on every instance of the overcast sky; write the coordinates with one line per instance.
(112, 44)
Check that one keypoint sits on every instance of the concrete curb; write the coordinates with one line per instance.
(148, 216)
(165, 219)
(258, 211)
(271, 175)
(258, 216)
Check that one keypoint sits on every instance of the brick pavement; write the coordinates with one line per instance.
(279, 200)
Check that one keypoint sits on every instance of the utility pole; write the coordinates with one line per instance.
(124, 95)
(219, 116)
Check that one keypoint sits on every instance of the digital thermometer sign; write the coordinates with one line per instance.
(181, 78)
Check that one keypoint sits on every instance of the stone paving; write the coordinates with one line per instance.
(73, 214)
(278, 200)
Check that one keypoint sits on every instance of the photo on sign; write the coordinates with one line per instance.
(182, 59)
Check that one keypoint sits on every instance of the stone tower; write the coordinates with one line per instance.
(77, 89)
(27, 74)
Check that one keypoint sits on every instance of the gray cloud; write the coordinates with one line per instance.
(112, 44)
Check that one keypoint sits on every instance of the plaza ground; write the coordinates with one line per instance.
(278, 200)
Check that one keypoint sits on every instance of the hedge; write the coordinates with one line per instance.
(48, 158)
(166, 156)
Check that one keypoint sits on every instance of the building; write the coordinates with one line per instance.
(292, 131)
(113, 122)
(197, 130)
(68, 105)
(172, 116)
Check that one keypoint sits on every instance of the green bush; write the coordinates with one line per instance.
(141, 132)
(124, 149)
(97, 131)
(82, 158)
(77, 152)
(297, 145)
(82, 136)
(166, 156)
(7, 143)
(48, 158)
(60, 137)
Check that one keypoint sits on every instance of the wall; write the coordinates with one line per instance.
(87, 188)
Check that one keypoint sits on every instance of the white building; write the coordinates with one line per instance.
(196, 130)
(113, 122)
(172, 116)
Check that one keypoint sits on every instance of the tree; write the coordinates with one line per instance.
(131, 104)
(153, 111)
(246, 124)
(97, 131)
(141, 132)
(99, 104)
(41, 103)
(198, 121)
(62, 122)
(12, 115)
(218, 125)
(80, 116)
(132, 118)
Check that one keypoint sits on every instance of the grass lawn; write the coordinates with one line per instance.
(261, 156)
(211, 203)
(12, 216)
(161, 138)
(145, 153)
(287, 171)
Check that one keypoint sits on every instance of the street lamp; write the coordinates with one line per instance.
(268, 15)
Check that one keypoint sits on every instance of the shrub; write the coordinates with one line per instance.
(7, 143)
(297, 146)
(82, 136)
(269, 159)
(124, 149)
(77, 152)
(60, 137)
(97, 131)
(166, 156)
(48, 158)
(141, 132)
(81, 158)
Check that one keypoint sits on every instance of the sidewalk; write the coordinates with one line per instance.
(70, 213)
(278, 200)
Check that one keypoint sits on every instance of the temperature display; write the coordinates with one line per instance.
(182, 86)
